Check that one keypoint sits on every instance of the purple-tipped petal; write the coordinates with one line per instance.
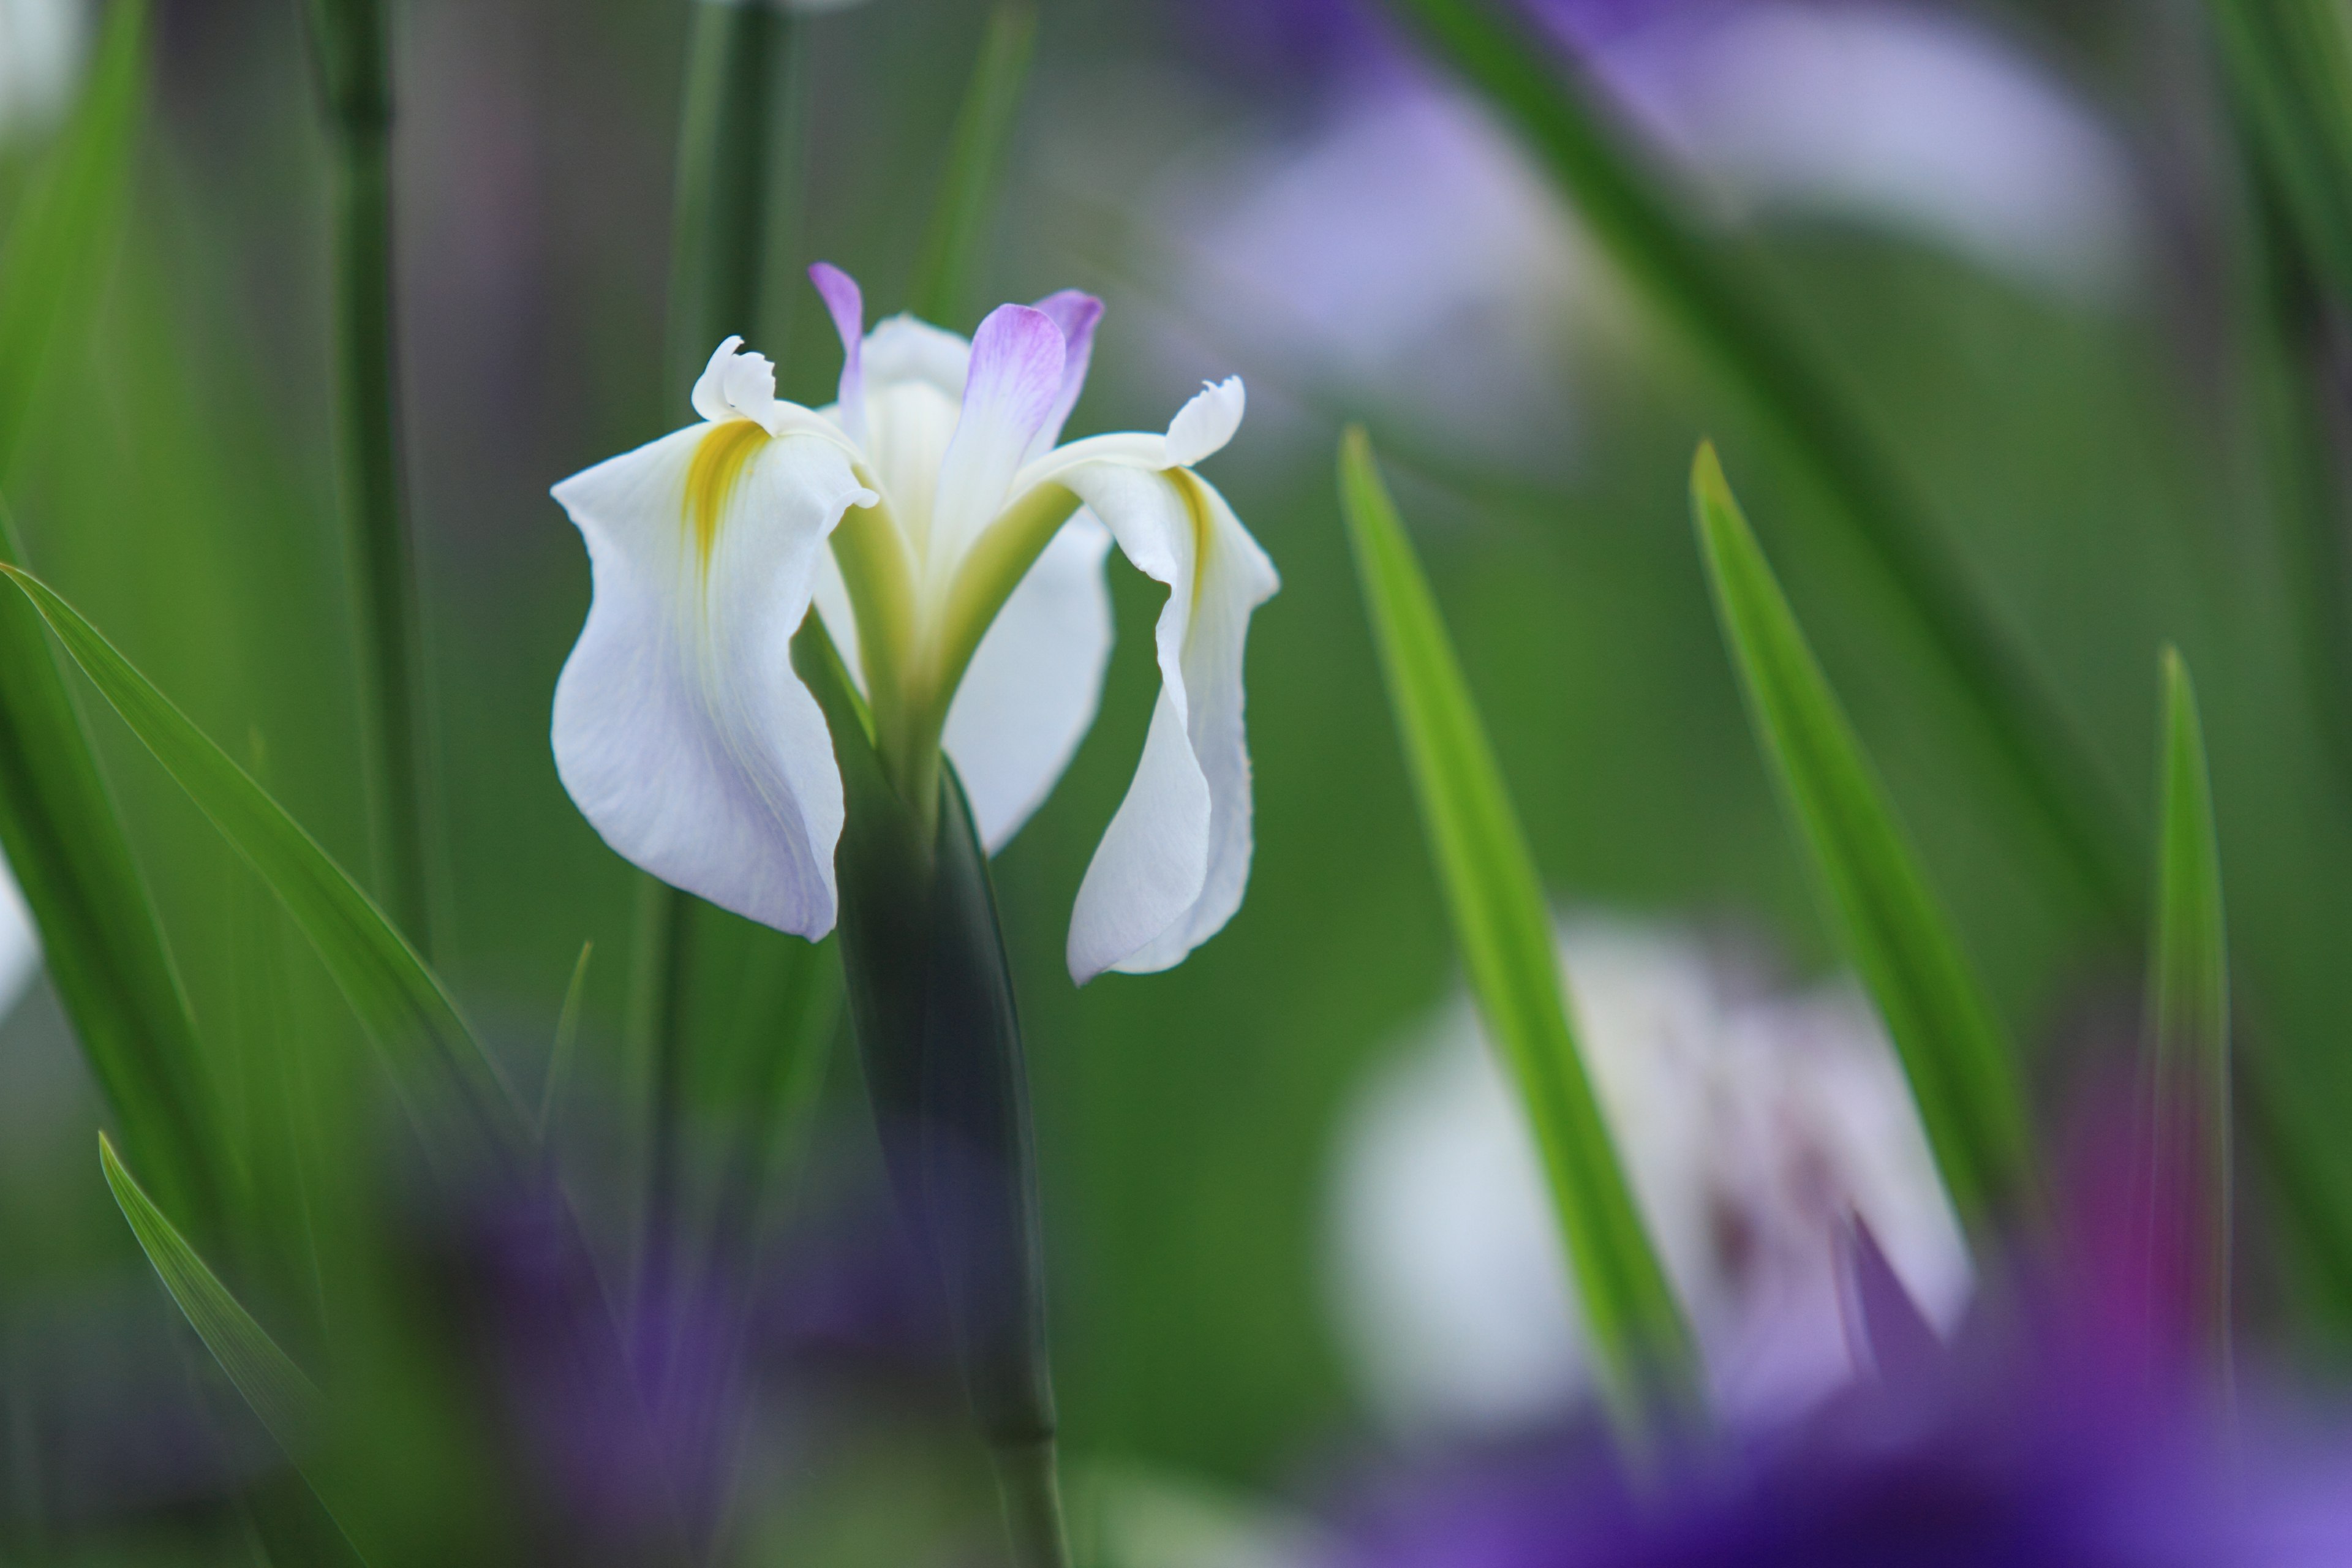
(1078, 314)
(846, 306)
(1009, 393)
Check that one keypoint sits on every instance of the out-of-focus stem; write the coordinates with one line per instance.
(736, 141)
(1028, 1481)
(353, 59)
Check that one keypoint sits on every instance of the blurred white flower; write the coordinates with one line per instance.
(41, 44)
(1749, 1124)
(20, 945)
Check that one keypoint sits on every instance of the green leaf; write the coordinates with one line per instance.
(53, 268)
(1959, 1057)
(460, 1103)
(2289, 69)
(288, 1403)
(1504, 930)
(567, 1043)
(99, 934)
(2188, 1018)
(967, 196)
(1698, 286)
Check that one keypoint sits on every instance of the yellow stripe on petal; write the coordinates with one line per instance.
(1196, 505)
(710, 479)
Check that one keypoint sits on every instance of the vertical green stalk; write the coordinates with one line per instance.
(737, 143)
(352, 50)
(930, 996)
(942, 287)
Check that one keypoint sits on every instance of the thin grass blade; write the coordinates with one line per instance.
(99, 934)
(1699, 288)
(1505, 933)
(461, 1104)
(53, 265)
(560, 1056)
(1954, 1048)
(950, 257)
(2188, 1031)
(289, 1405)
(2288, 70)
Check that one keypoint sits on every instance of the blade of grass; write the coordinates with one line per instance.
(2189, 1028)
(567, 1040)
(2288, 70)
(462, 1105)
(351, 51)
(289, 1405)
(1504, 930)
(99, 934)
(944, 268)
(53, 266)
(1632, 212)
(740, 123)
(1959, 1057)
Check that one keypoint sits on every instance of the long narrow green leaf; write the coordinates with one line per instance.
(288, 1403)
(2289, 69)
(1504, 932)
(53, 268)
(462, 1104)
(1632, 210)
(949, 258)
(2189, 1022)
(1961, 1064)
(99, 929)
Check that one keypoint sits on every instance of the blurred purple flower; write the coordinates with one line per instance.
(2056, 1431)
(1375, 226)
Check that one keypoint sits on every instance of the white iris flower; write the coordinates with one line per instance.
(955, 554)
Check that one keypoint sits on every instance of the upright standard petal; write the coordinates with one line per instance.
(1009, 393)
(1172, 865)
(20, 942)
(846, 306)
(680, 730)
(1078, 314)
(1035, 683)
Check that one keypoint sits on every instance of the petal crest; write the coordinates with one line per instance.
(680, 730)
(1009, 393)
(1202, 426)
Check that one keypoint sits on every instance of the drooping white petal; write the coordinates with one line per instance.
(1171, 867)
(846, 306)
(680, 730)
(1078, 314)
(1035, 683)
(1009, 393)
(1202, 426)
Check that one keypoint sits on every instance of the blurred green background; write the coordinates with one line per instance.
(2090, 450)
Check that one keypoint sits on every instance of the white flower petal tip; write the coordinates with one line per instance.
(679, 730)
(737, 385)
(1175, 860)
(1202, 426)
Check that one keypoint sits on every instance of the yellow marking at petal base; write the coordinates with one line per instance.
(710, 479)
(1196, 503)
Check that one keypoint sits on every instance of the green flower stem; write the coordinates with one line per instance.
(353, 59)
(930, 996)
(738, 132)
